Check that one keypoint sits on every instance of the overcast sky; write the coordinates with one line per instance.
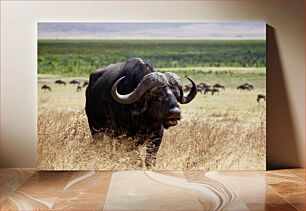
(166, 30)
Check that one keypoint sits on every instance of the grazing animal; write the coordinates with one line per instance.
(204, 85)
(46, 88)
(79, 88)
(260, 96)
(132, 99)
(212, 90)
(199, 89)
(60, 82)
(85, 83)
(219, 86)
(187, 88)
(245, 86)
(75, 82)
(249, 85)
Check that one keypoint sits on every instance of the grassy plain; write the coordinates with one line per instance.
(223, 131)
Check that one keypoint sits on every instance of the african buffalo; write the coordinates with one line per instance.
(60, 82)
(132, 99)
(46, 88)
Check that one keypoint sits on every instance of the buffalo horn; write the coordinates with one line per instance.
(148, 82)
(175, 80)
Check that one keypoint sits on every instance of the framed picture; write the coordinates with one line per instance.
(151, 95)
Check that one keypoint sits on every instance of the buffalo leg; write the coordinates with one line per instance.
(153, 146)
(152, 150)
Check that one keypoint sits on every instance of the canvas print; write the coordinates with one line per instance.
(151, 96)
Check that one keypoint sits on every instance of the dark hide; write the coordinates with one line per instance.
(136, 119)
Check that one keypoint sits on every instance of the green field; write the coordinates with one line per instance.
(80, 57)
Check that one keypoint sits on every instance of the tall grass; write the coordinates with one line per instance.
(225, 143)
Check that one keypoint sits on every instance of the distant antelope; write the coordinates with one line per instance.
(259, 97)
(212, 90)
(85, 83)
(79, 88)
(199, 89)
(60, 82)
(204, 85)
(187, 88)
(249, 84)
(219, 86)
(245, 87)
(75, 82)
(46, 88)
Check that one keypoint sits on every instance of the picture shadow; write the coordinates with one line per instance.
(281, 139)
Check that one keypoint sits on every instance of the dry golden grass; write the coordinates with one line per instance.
(65, 143)
(227, 131)
(225, 143)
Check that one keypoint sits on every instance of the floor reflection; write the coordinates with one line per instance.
(28, 189)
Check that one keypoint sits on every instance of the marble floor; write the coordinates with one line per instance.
(28, 189)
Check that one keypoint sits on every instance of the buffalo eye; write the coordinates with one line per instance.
(175, 92)
(158, 93)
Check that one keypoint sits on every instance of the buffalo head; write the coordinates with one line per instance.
(158, 96)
